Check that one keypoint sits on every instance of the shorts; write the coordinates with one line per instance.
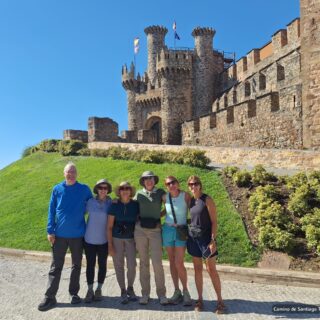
(199, 247)
(169, 237)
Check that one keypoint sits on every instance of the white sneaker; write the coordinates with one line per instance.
(163, 300)
(144, 300)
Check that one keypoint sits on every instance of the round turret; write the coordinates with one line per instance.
(155, 38)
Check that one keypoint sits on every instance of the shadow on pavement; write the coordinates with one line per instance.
(239, 306)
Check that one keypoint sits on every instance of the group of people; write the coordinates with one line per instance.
(130, 224)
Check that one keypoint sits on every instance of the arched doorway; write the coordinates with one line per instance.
(154, 124)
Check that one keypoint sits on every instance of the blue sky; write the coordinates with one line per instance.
(60, 60)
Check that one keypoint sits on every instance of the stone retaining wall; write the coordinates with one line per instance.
(270, 158)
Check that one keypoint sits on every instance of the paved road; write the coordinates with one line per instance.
(22, 284)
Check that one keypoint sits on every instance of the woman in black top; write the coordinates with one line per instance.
(201, 243)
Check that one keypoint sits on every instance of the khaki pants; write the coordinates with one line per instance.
(124, 248)
(150, 240)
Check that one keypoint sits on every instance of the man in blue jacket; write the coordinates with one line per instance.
(66, 228)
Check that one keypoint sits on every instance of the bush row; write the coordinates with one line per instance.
(278, 224)
(190, 157)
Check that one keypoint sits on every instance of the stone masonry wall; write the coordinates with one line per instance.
(270, 158)
(261, 101)
(80, 135)
(102, 129)
(310, 50)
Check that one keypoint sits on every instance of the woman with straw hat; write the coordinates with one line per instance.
(95, 239)
(122, 217)
(148, 237)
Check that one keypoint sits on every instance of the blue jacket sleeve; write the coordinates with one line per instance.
(51, 227)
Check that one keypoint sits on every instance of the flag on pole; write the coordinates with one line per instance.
(136, 45)
(174, 27)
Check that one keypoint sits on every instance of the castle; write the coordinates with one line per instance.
(269, 98)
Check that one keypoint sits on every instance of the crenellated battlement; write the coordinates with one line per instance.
(203, 31)
(156, 30)
(174, 60)
(283, 41)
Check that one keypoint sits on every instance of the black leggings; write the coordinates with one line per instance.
(93, 251)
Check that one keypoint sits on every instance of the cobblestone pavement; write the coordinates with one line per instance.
(22, 284)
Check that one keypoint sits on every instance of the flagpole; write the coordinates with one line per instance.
(134, 63)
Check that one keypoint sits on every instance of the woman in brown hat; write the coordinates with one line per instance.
(95, 244)
(122, 217)
(148, 236)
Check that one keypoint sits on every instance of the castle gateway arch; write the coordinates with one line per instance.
(154, 123)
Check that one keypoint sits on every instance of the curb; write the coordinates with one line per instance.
(226, 272)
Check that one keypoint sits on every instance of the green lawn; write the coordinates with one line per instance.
(26, 184)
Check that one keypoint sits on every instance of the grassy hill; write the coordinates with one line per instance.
(26, 184)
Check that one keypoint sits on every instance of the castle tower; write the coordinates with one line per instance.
(131, 86)
(310, 71)
(175, 71)
(206, 68)
(155, 38)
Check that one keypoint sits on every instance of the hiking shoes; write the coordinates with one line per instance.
(176, 298)
(131, 294)
(47, 303)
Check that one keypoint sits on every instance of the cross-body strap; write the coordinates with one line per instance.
(172, 209)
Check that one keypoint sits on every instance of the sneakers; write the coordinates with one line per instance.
(163, 300)
(186, 298)
(89, 296)
(144, 300)
(131, 295)
(47, 303)
(176, 298)
(124, 297)
(75, 299)
(98, 295)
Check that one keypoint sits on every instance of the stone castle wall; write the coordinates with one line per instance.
(310, 49)
(260, 104)
(80, 135)
(102, 129)
(269, 98)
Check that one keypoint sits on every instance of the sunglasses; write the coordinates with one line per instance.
(193, 184)
(124, 188)
(171, 183)
(102, 188)
(148, 178)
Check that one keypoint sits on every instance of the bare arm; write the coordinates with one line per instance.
(163, 212)
(109, 228)
(214, 226)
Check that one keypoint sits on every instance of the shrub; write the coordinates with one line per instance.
(194, 158)
(260, 176)
(242, 178)
(311, 226)
(300, 201)
(71, 147)
(229, 171)
(274, 238)
(262, 197)
(99, 153)
(28, 151)
(153, 157)
(49, 145)
(118, 153)
(84, 152)
(296, 181)
(273, 214)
